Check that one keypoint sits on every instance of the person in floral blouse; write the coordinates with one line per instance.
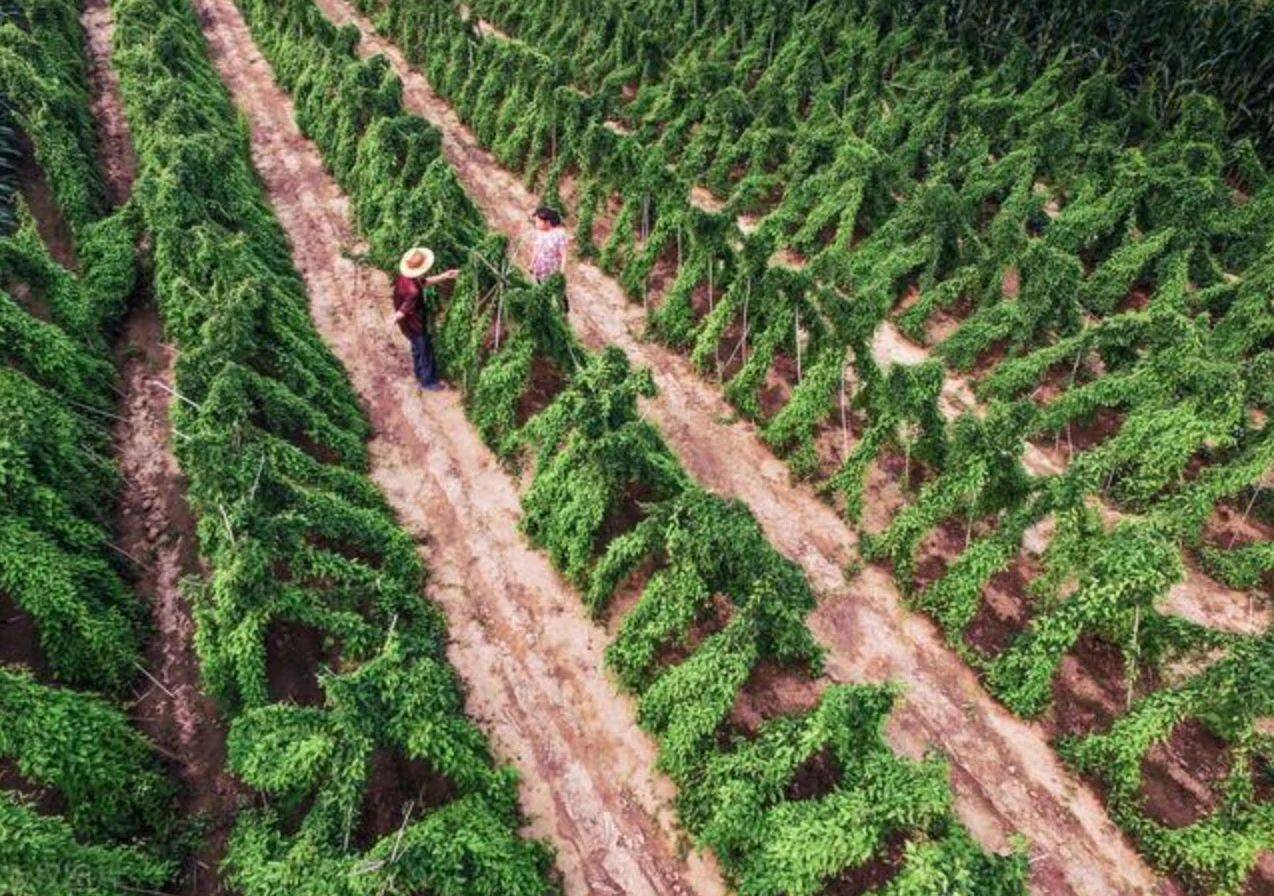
(550, 239)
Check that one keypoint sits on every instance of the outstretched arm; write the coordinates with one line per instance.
(446, 275)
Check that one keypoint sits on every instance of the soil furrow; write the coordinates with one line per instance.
(1006, 776)
(531, 662)
(153, 523)
(118, 159)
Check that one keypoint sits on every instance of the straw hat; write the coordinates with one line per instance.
(416, 262)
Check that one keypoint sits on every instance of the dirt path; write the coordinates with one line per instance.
(530, 660)
(153, 523)
(156, 527)
(1006, 776)
(118, 158)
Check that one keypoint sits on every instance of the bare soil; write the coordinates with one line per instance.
(887, 488)
(20, 640)
(872, 875)
(546, 382)
(531, 661)
(1090, 690)
(1230, 527)
(938, 549)
(630, 511)
(1261, 881)
(1006, 608)
(1182, 776)
(294, 654)
(627, 596)
(780, 380)
(401, 790)
(154, 524)
(41, 203)
(816, 777)
(715, 617)
(117, 155)
(772, 690)
(1081, 435)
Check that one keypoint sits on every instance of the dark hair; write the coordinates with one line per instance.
(545, 213)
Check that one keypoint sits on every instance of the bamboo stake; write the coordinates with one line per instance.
(796, 326)
(124, 553)
(159, 684)
(225, 518)
(499, 318)
(1132, 660)
(712, 304)
(844, 419)
(1247, 511)
(170, 391)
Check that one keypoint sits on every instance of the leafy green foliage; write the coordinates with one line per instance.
(87, 806)
(1218, 852)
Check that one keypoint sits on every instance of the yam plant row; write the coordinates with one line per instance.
(608, 498)
(1076, 250)
(87, 807)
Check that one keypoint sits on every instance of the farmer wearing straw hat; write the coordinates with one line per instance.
(413, 297)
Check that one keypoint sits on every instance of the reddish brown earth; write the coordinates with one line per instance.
(772, 690)
(400, 790)
(1090, 689)
(41, 203)
(20, 640)
(1006, 777)
(154, 525)
(1182, 777)
(118, 158)
(294, 655)
(871, 875)
(532, 662)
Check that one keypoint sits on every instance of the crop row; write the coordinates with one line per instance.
(85, 805)
(311, 628)
(788, 803)
(1075, 256)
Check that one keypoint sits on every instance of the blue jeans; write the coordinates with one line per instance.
(422, 359)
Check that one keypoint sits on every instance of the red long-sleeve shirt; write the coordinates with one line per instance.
(410, 299)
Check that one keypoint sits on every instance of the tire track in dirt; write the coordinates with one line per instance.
(530, 660)
(153, 523)
(1005, 775)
